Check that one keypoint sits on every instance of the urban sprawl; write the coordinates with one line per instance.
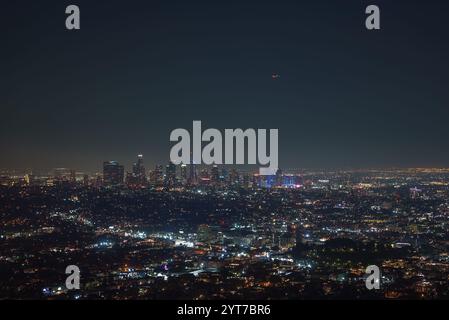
(215, 232)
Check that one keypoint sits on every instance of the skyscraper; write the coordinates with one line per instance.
(138, 176)
(234, 177)
(279, 175)
(246, 181)
(86, 180)
(138, 167)
(113, 173)
(224, 176)
(72, 176)
(193, 176)
(170, 174)
(215, 175)
(183, 174)
(157, 176)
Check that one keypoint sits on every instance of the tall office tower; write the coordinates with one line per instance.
(224, 176)
(247, 181)
(279, 175)
(72, 176)
(170, 174)
(234, 178)
(215, 175)
(193, 176)
(138, 175)
(131, 179)
(261, 181)
(113, 173)
(98, 180)
(270, 181)
(86, 180)
(184, 174)
(153, 176)
(138, 167)
(29, 179)
(157, 176)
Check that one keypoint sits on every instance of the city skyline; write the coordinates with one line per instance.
(197, 154)
(128, 165)
(228, 240)
(170, 175)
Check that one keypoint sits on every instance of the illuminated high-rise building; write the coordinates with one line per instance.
(137, 177)
(113, 173)
(183, 174)
(86, 180)
(215, 175)
(224, 176)
(234, 177)
(170, 174)
(247, 181)
(138, 167)
(157, 176)
(29, 179)
(278, 179)
(193, 176)
(72, 176)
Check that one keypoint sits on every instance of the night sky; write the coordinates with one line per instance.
(346, 96)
